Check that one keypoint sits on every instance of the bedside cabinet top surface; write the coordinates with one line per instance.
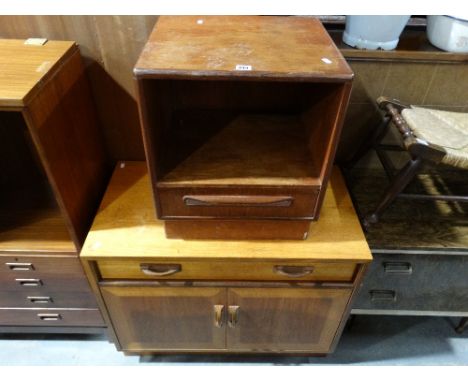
(23, 67)
(126, 226)
(258, 47)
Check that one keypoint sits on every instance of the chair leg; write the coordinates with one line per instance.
(462, 325)
(401, 180)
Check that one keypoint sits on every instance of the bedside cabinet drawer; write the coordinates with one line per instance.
(26, 265)
(50, 317)
(436, 283)
(240, 202)
(227, 270)
(43, 299)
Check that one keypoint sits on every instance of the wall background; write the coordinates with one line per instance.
(112, 44)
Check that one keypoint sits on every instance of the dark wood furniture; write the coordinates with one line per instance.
(163, 295)
(53, 173)
(420, 249)
(240, 119)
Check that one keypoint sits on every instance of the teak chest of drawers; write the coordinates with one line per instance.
(53, 172)
(240, 118)
(171, 295)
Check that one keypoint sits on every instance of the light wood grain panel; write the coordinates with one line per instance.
(230, 270)
(126, 225)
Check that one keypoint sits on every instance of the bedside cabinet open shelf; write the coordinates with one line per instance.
(228, 147)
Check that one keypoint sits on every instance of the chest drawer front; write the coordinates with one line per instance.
(35, 265)
(50, 317)
(227, 270)
(42, 299)
(437, 283)
(258, 202)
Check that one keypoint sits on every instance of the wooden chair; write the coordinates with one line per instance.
(429, 136)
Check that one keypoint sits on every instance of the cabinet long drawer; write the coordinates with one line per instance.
(430, 283)
(52, 264)
(50, 317)
(226, 270)
(47, 299)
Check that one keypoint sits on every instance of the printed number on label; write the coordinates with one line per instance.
(243, 67)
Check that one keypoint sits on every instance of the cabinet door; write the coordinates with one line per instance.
(170, 318)
(284, 319)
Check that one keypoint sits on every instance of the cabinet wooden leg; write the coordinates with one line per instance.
(462, 325)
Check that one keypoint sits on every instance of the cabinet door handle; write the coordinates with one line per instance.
(383, 295)
(29, 282)
(237, 200)
(20, 266)
(49, 316)
(218, 315)
(395, 267)
(160, 269)
(233, 311)
(40, 299)
(293, 270)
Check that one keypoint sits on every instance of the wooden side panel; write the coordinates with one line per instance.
(62, 122)
(284, 319)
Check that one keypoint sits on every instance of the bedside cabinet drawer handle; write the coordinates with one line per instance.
(402, 268)
(160, 269)
(49, 316)
(292, 270)
(233, 311)
(29, 282)
(383, 295)
(237, 200)
(40, 299)
(20, 266)
(218, 315)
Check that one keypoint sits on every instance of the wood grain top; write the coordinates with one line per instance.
(126, 226)
(24, 68)
(213, 46)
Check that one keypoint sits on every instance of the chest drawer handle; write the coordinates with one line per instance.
(237, 200)
(49, 316)
(394, 267)
(383, 295)
(40, 299)
(29, 282)
(160, 269)
(292, 270)
(20, 266)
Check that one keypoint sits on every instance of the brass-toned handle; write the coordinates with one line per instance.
(293, 270)
(237, 200)
(218, 315)
(40, 299)
(49, 316)
(29, 282)
(398, 267)
(383, 295)
(160, 269)
(20, 266)
(233, 311)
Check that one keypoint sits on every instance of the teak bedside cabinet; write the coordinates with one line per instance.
(240, 117)
(207, 296)
(53, 174)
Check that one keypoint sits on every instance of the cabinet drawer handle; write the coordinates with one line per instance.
(218, 315)
(49, 316)
(20, 266)
(160, 269)
(383, 295)
(394, 267)
(40, 299)
(293, 270)
(29, 282)
(233, 311)
(237, 200)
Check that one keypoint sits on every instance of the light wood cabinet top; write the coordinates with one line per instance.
(126, 226)
(242, 46)
(24, 68)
